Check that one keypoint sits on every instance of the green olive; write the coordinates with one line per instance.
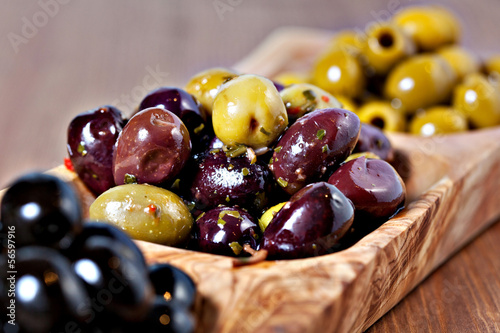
(429, 26)
(205, 85)
(268, 215)
(383, 115)
(438, 120)
(145, 212)
(461, 61)
(339, 72)
(479, 100)
(289, 78)
(249, 110)
(302, 98)
(347, 103)
(386, 45)
(349, 41)
(492, 65)
(420, 81)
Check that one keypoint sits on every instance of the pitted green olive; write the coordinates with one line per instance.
(249, 110)
(461, 60)
(145, 212)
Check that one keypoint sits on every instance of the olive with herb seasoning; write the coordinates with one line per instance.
(225, 230)
(313, 146)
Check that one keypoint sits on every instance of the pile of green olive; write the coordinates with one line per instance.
(409, 74)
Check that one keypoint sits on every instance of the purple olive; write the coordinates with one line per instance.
(184, 106)
(152, 148)
(313, 146)
(220, 179)
(372, 139)
(91, 140)
(374, 187)
(224, 230)
(312, 222)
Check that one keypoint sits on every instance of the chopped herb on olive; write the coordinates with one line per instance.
(236, 151)
(236, 247)
(199, 128)
(321, 134)
(245, 171)
(309, 95)
(130, 179)
(278, 149)
(324, 149)
(282, 182)
(263, 130)
(81, 148)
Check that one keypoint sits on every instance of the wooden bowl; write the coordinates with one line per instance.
(452, 184)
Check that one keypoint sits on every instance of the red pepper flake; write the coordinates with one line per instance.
(325, 98)
(68, 164)
(152, 208)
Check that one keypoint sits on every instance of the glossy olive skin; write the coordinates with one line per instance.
(184, 106)
(420, 81)
(44, 211)
(224, 230)
(152, 148)
(374, 187)
(313, 146)
(91, 142)
(438, 120)
(460, 59)
(309, 224)
(144, 212)
(58, 292)
(383, 115)
(231, 181)
(372, 139)
(173, 284)
(103, 266)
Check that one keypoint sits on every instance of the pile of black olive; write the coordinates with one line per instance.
(59, 274)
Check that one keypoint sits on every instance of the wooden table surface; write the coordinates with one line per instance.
(62, 57)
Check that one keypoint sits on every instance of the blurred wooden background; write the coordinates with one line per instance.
(61, 57)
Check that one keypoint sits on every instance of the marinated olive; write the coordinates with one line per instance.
(309, 224)
(383, 115)
(420, 81)
(373, 140)
(461, 61)
(186, 108)
(289, 78)
(479, 100)
(347, 103)
(269, 214)
(91, 142)
(224, 230)
(152, 148)
(373, 186)
(438, 120)
(145, 212)
(430, 27)
(205, 85)
(220, 179)
(302, 98)
(43, 209)
(313, 146)
(340, 73)
(249, 110)
(386, 45)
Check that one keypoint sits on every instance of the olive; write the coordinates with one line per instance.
(385, 46)
(420, 81)
(205, 85)
(374, 187)
(340, 73)
(373, 140)
(145, 212)
(220, 179)
(91, 142)
(349, 41)
(152, 148)
(492, 65)
(302, 98)
(366, 154)
(249, 110)
(461, 60)
(347, 103)
(383, 115)
(438, 120)
(184, 106)
(313, 146)
(268, 215)
(224, 230)
(173, 284)
(479, 100)
(102, 266)
(43, 209)
(289, 78)
(430, 27)
(309, 224)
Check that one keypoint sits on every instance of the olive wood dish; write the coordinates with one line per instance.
(452, 183)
